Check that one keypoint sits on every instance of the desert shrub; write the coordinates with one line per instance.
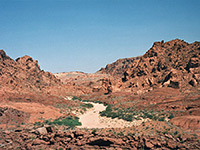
(94, 131)
(161, 119)
(165, 132)
(190, 112)
(128, 114)
(171, 116)
(147, 115)
(176, 132)
(68, 121)
(155, 118)
(76, 98)
(37, 123)
(99, 102)
(116, 113)
(87, 105)
(85, 100)
(129, 118)
(109, 108)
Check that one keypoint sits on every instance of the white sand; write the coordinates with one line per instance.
(92, 119)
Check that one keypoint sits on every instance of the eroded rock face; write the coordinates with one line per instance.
(172, 64)
(57, 139)
(85, 83)
(24, 74)
(187, 122)
(10, 116)
(120, 66)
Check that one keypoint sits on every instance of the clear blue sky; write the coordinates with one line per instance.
(85, 35)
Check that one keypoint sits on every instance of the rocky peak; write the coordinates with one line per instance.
(24, 74)
(3, 56)
(174, 64)
(28, 63)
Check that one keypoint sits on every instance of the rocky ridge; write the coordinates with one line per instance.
(27, 72)
(165, 80)
(26, 91)
(173, 64)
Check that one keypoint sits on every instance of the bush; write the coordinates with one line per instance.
(94, 131)
(116, 113)
(87, 105)
(147, 115)
(68, 121)
(129, 118)
(76, 98)
(108, 108)
(161, 119)
(37, 123)
(176, 132)
(171, 116)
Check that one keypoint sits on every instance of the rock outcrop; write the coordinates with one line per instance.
(174, 64)
(51, 138)
(24, 74)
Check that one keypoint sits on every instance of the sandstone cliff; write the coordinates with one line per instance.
(173, 64)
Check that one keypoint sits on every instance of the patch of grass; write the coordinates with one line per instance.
(37, 123)
(128, 114)
(87, 105)
(76, 98)
(94, 131)
(165, 132)
(120, 134)
(161, 119)
(116, 113)
(176, 132)
(69, 121)
(171, 116)
(190, 112)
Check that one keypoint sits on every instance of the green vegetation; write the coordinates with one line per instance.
(161, 119)
(171, 116)
(94, 131)
(76, 98)
(115, 114)
(87, 105)
(129, 114)
(69, 121)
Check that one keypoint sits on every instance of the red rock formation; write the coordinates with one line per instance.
(174, 64)
(24, 74)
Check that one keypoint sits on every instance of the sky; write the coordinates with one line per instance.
(85, 35)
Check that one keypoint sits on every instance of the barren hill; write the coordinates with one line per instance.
(161, 87)
(24, 74)
(28, 93)
(174, 64)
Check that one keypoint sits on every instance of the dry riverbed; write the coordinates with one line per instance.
(92, 119)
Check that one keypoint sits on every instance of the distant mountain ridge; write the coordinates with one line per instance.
(173, 64)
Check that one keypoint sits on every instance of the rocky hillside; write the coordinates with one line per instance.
(174, 64)
(28, 93)
(162, 87)
(24, 74)
(86, 83)
(119, 67)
